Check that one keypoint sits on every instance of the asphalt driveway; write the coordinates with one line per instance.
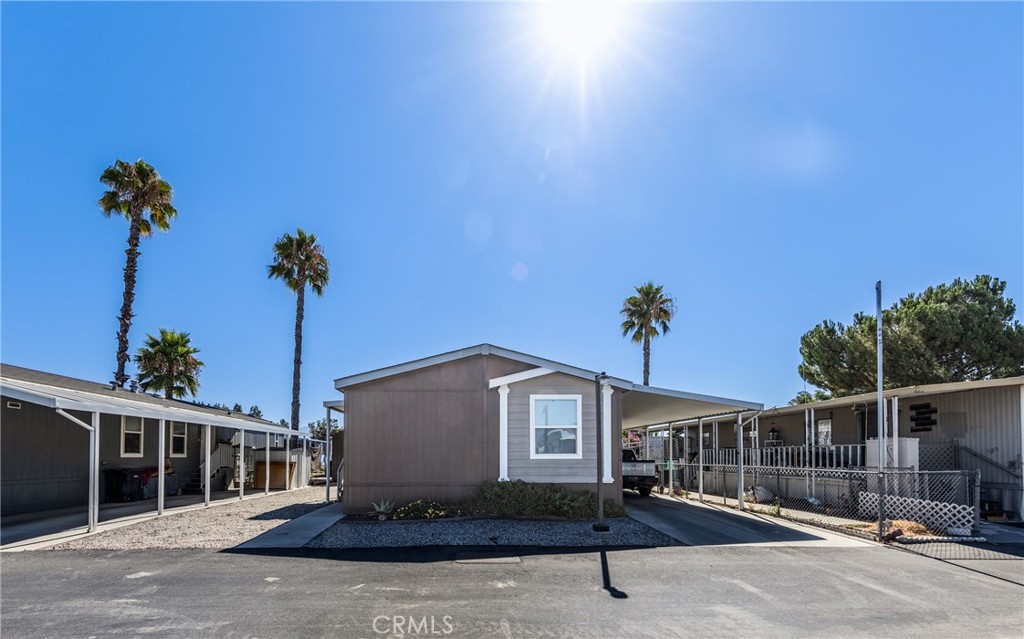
(702, 524)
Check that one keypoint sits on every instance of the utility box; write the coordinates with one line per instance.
(908, 453)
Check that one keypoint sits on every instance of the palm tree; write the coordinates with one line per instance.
(647, 315)
(134, 189)
(299, 261)
(169, 364)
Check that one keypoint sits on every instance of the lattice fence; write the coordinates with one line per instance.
(941, 517)
(936, 457)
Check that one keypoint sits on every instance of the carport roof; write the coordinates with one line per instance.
(68, 393)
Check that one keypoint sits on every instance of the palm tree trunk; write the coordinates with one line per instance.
(300, 301)
(647, 359)
(125, 318)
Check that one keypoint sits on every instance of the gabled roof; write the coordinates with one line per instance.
(907, 391)
(69, 393)
(480, 349)
(643, 405)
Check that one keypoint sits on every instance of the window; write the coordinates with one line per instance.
(179, 445)
(824, 432)
(555, 426)
(131, 436)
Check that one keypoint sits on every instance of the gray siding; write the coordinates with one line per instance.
(565, 471)
(44, 458)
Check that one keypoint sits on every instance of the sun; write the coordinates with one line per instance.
(582, 30)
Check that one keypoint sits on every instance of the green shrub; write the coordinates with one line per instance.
(425, 509)
(522, 499)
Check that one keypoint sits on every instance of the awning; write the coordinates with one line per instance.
(78, 400)
(650, 406)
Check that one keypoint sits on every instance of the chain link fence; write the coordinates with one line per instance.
(919, 510)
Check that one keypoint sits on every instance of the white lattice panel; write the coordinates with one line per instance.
(936, 515)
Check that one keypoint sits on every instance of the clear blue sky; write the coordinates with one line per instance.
(767, 163)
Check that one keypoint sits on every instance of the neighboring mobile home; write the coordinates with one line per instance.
(67, 443)
(970, 426)
(439, 427)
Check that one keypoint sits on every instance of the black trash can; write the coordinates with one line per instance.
(123, 484)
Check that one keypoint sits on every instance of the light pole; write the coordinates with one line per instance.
(600, 526)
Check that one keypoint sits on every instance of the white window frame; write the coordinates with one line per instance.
(141, 433)
(171, 435)
(578, 428)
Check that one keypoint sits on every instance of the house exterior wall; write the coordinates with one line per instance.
(429, 433)
(562, 471)
(44, 457)
(44, 460)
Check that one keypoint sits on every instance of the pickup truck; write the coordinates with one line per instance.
(638, 474)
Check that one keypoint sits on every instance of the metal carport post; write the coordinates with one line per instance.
(92, 515)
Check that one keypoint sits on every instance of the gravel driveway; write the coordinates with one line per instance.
(484, 532)
(219, 527)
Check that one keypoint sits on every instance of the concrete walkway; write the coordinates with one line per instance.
(698, 524)
(299, 531)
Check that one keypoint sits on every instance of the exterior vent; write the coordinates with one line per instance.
(14, 405)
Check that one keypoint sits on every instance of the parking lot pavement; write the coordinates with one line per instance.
(697, 524)
(704, 591)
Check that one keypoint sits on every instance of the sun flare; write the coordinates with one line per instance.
(582, 30)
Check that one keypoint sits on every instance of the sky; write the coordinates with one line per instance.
(491, 173)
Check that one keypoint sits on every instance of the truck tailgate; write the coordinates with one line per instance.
(639, 468)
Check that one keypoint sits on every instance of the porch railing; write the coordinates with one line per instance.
(833, 456)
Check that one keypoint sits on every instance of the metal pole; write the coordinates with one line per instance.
(241, 464)
(327, 455)
(161, 466)
(671, 458)
(739, 460)
(94, 469)
(896, 431)
(881, 407)
(266, 463)
(600, 526)
(288, 462)
(206, 465)
(700, 465)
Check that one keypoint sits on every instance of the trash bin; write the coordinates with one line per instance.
(122, 484)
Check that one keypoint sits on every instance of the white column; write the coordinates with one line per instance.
(503, 433)
(206, 464)
(739, 460)
(288, 460)
(700, 458)
(606, 430)
(241, 463)
(304, 472)
(266, 463)
(161, 465)
(94, 472)
(327, 455)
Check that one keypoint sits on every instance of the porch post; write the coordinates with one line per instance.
(241, 463)
(327, 455)
(161, 465)
(700, 450)
(288, 460)
(606, 426)
(503, 432)
(206, 464)
(266, 463)
(94, 471)
(303, 479)
(739, 460)
(671, 458)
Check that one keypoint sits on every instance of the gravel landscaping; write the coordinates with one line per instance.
(220, 526)
(485, 532)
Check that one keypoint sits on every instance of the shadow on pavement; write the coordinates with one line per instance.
(430, 554)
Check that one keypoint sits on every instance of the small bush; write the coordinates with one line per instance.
(425, 509)
(522, 499)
